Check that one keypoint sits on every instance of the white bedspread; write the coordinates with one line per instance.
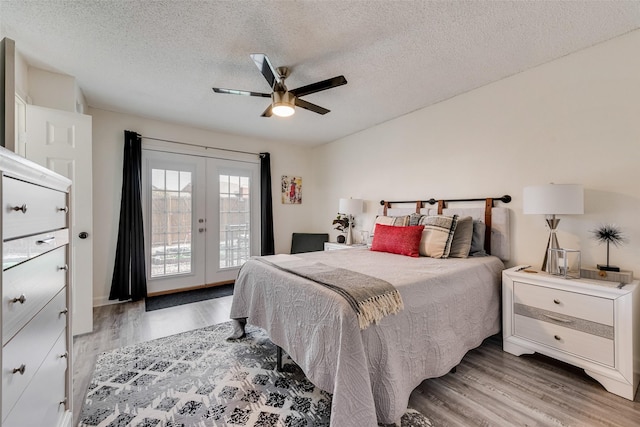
(451, 306)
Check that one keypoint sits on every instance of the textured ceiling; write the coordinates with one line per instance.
(160, 59)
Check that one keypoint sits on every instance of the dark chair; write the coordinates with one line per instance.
(308, 242)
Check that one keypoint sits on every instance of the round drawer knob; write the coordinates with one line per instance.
(19, 370)
(22, 208)
(64, 267)
(64, 355)
(65, 209)
(64, 311)
(556, 301)
(21, 299)
(557, 337)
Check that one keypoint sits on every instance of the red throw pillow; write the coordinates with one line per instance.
(397, 240)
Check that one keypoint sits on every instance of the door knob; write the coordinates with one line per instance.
(83, 235)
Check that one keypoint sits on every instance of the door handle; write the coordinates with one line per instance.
(83, 235)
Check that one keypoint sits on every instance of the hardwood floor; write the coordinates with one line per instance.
(119, 325)
(489, 388)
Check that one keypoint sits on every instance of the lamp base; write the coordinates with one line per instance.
(608, 267)
(552, 243)
(349, 232)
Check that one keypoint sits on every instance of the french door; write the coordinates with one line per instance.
(201, 219)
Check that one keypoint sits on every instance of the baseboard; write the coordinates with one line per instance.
(100, 301)
(104, 300)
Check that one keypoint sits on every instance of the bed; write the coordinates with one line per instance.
(450, 306)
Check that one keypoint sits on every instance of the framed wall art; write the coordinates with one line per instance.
(291, 190)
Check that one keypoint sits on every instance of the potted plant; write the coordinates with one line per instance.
(342, 225)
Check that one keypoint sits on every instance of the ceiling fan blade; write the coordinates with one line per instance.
(264, 65)
(311, 107)
(267, 112)
(317, 87)
(241, 92)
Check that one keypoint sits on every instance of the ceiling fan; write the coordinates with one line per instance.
(283, 100)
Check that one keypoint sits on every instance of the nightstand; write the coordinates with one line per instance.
(334, 246)
(592, 324)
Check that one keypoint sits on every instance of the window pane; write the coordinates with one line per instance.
(157, 179)
(235, 242)
(171, 222)
(172, 182)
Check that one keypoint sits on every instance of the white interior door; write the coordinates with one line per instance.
(201, 219)
(61, 141)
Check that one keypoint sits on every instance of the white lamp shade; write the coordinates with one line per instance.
(350, 206)
(553, 199)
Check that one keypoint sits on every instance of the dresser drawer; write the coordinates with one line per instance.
(588, 307)
(40, 404)
(34, 283)
(20, 250)
(578, 343)
(31, 209)
(29, 348)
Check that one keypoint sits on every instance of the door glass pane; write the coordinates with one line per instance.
(171, 222)
(235, 227)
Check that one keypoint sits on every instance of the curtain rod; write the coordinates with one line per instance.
(505, 199)
(201, 146)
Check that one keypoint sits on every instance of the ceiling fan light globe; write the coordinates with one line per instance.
(283, 110)
(283, 104)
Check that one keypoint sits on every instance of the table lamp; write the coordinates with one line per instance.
(552, 200)
(350, 207)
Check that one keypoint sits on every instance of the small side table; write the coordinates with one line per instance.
(592, 324)
(334, 246)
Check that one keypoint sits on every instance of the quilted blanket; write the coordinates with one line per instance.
(450, 307)
(370, 297)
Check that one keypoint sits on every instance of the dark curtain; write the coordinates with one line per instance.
(266, 203)
(129, 276)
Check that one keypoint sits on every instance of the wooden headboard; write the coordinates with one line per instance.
(496, 219)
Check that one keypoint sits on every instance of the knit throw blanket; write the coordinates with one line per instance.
(371, 298)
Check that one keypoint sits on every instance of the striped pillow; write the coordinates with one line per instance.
(437, 235)
(396, 221)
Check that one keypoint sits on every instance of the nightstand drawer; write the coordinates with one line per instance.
(578, 343)
(582, 306)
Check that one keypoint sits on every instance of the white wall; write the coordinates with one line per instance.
(573, 120)
(52, 90)
(22, 77)
(108, 135)
(48, 89)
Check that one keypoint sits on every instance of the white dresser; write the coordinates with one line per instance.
(592, 324)
(36, 338)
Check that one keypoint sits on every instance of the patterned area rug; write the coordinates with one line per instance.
(198, 378)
